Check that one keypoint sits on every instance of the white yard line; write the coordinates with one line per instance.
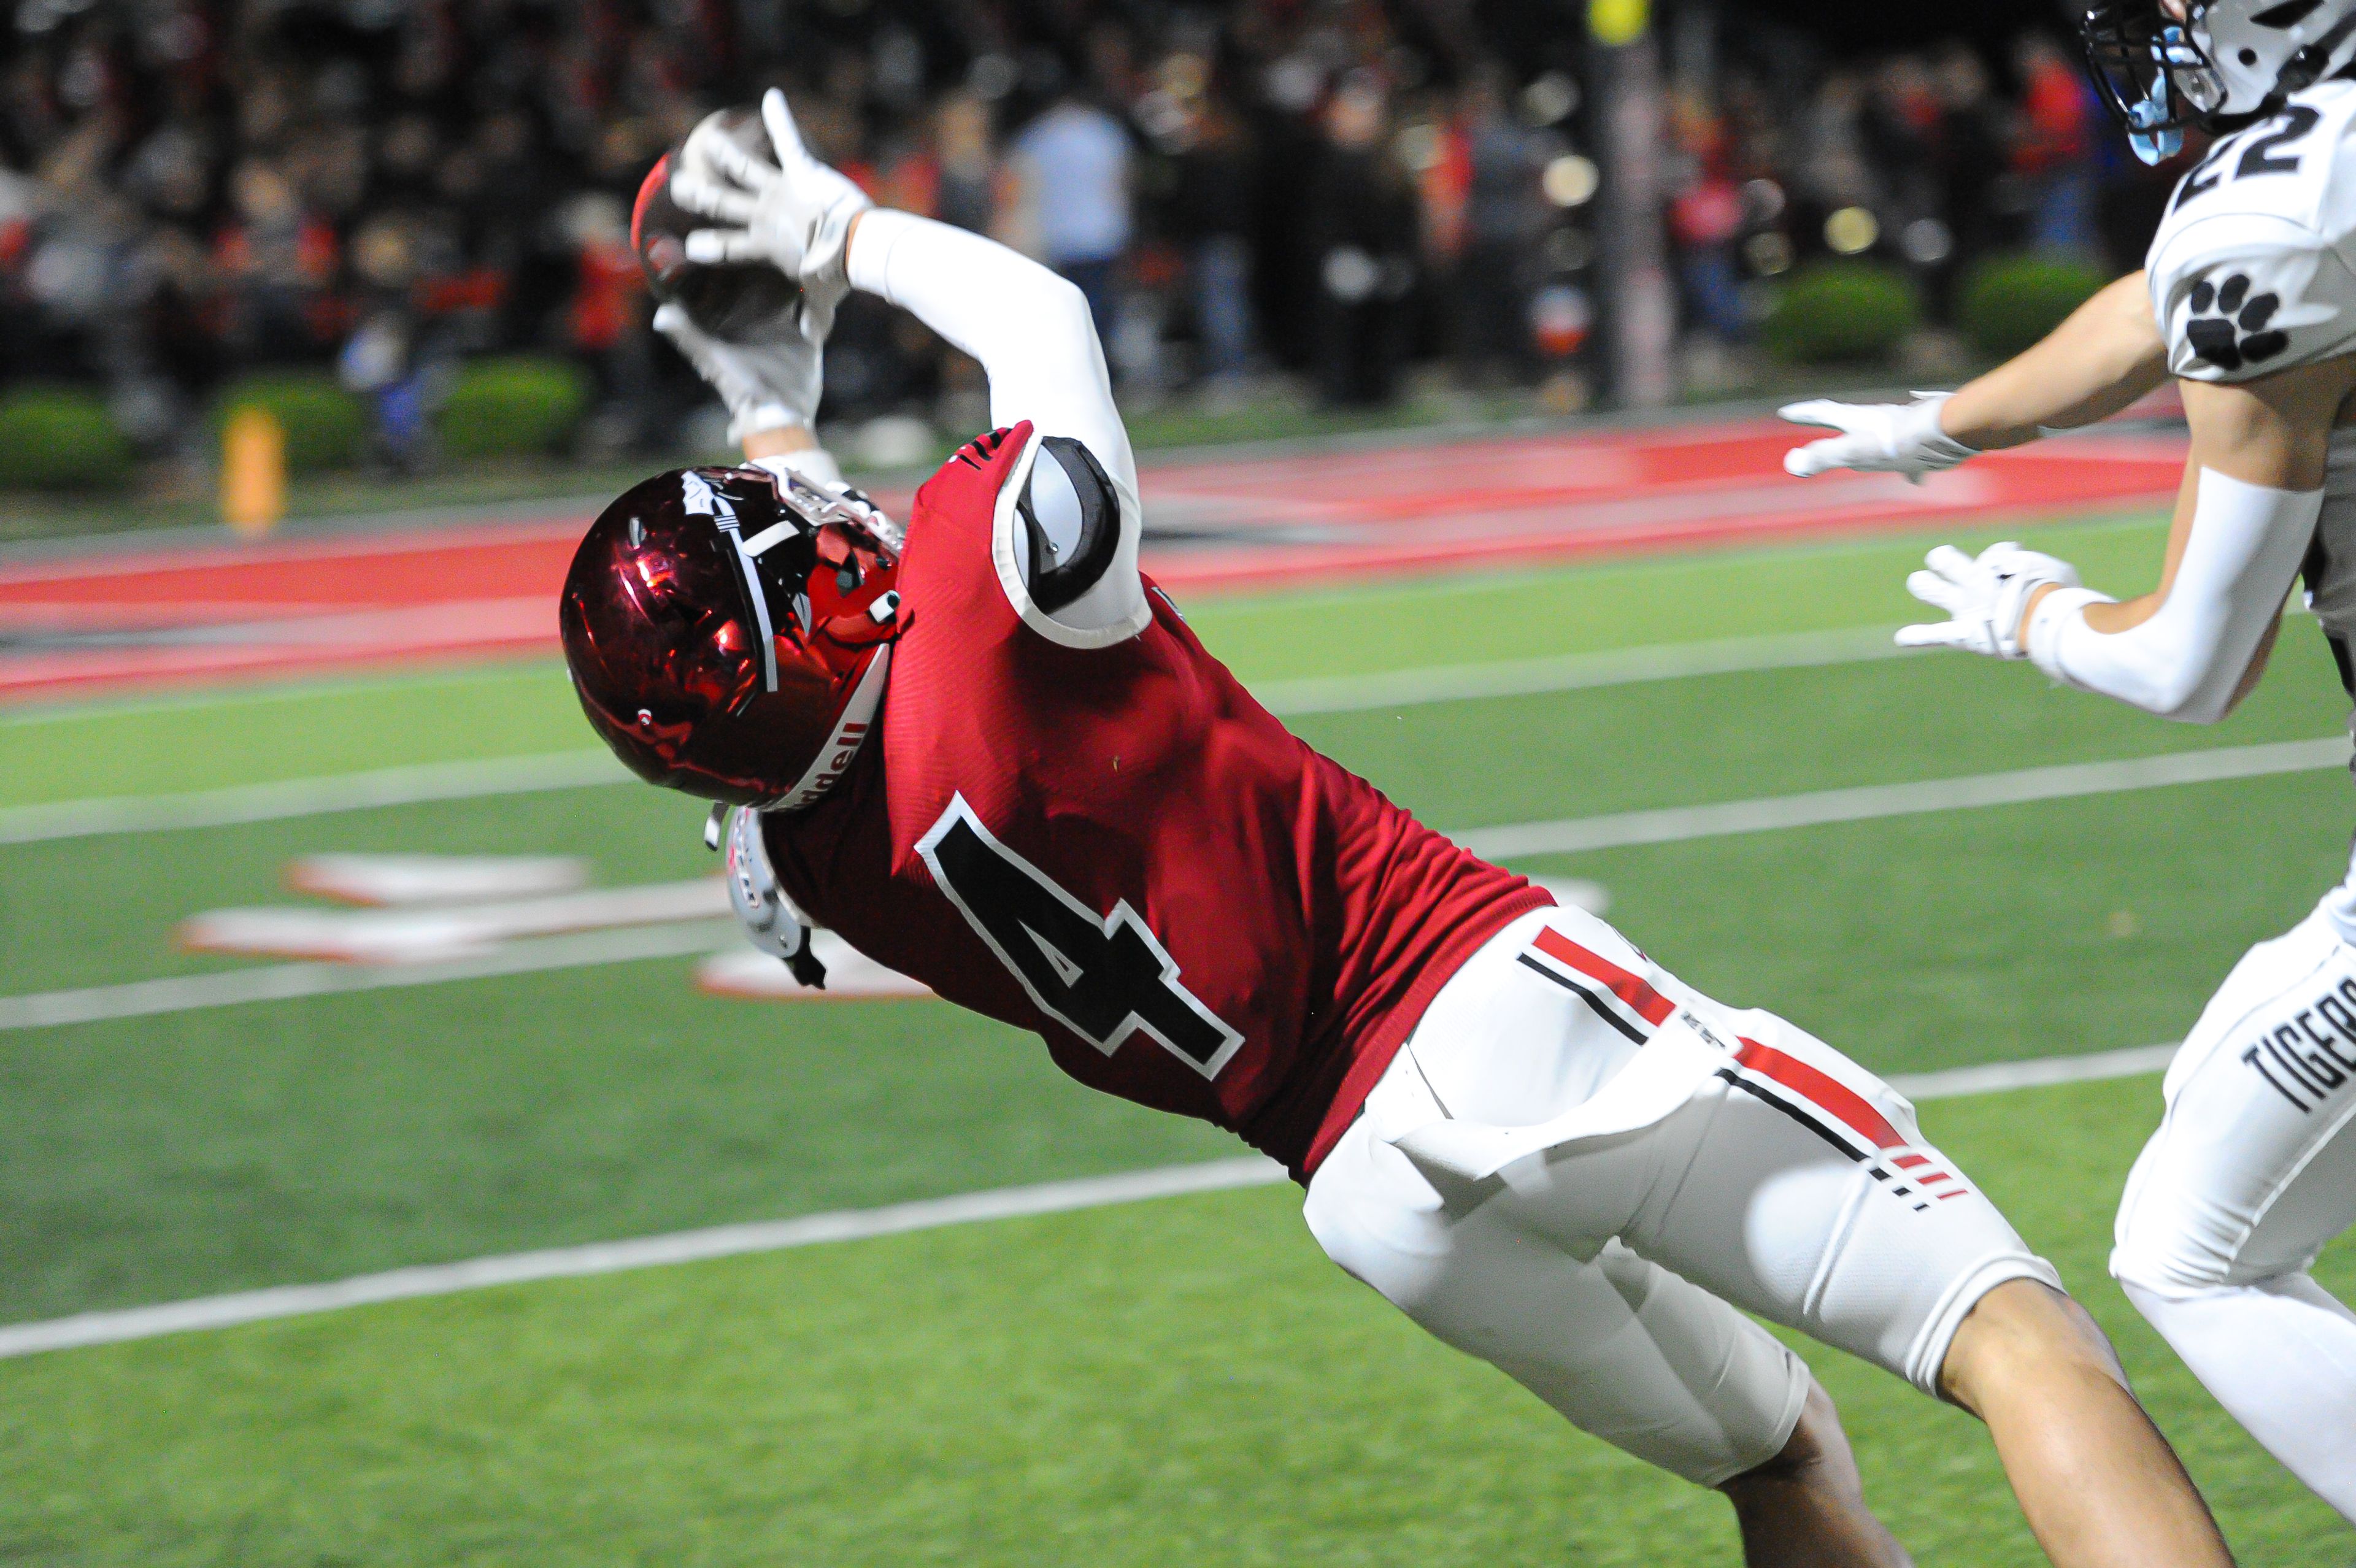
(1576, 672)
(261, 692)
(575, 770)
(143, 998)
(647, 1252)
(1677, 824)
(1291, 699)
(2037, 1073)
(286, 982)
(847, 1225)
(309, 797)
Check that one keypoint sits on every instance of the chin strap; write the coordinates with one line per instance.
(769, 917)
(2154, 146)
(805, 967)
(2150, 133)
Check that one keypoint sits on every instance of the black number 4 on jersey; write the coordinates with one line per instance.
(1104, 978)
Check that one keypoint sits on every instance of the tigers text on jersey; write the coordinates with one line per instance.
(2254, 268)
(1116, 847)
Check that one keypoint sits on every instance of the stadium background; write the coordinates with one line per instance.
(1448, 332)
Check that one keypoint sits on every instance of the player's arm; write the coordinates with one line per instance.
(1069, 525)
(2258, 312)
(2193, 646)
(2108, 353)
(2246, 514)
(770, 381)
(771, 387)
(2105, 355)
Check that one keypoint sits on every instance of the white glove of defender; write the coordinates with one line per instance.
(1985, 598)
(766, 384)
(795, 217)
(1875, 438)
(771, 922)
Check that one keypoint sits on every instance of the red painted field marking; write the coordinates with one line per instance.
(116, 618)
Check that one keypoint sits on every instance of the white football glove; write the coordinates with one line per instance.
(776, 376)
(1875, 438)
(795, 217)
(767, 384)
(1985, 598)
(771, 922)
(695, 155)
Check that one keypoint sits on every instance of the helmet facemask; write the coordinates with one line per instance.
(815, 529)
(2227, 64)
(2152, 72)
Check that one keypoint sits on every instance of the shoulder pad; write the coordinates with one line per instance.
(2241, 300)
(2300, 165)
(1069, 516)
(2247, 271)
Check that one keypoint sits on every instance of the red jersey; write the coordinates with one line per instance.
(1120, 849)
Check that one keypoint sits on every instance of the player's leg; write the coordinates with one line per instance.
(1806, 1505)
(1811, 1197)
(2280, 1355)
(2095, 1479)
(1793, 1183)
(2252, 1171)
(1621, 1348)
(1798, 1186)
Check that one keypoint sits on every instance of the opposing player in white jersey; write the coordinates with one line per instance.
(2248, 297)
(1518, 1128)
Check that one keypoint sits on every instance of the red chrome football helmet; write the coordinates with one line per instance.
(728, 632)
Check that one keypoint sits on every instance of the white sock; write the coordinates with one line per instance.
(2280, 1355)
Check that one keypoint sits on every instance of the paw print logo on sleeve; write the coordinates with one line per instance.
(2228, 327)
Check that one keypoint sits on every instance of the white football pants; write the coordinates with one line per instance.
(2251, 1172)
(1659, 1161)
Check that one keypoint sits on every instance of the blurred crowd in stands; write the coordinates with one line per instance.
(1341, 192)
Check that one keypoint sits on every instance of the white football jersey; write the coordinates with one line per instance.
(2253, 271)
(2330, 570)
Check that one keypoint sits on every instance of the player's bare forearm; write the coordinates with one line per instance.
(779, 442)
(2106, 355)
(2274, 431)
(2245, 517)
(2192, 648)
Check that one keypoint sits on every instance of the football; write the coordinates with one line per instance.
(733, 301)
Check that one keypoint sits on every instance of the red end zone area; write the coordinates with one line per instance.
(120, 618)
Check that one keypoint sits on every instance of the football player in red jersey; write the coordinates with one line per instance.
(992, 756)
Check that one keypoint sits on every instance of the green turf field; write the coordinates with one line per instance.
(1183, 1380)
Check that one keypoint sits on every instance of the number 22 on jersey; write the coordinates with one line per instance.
(2261, 154)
